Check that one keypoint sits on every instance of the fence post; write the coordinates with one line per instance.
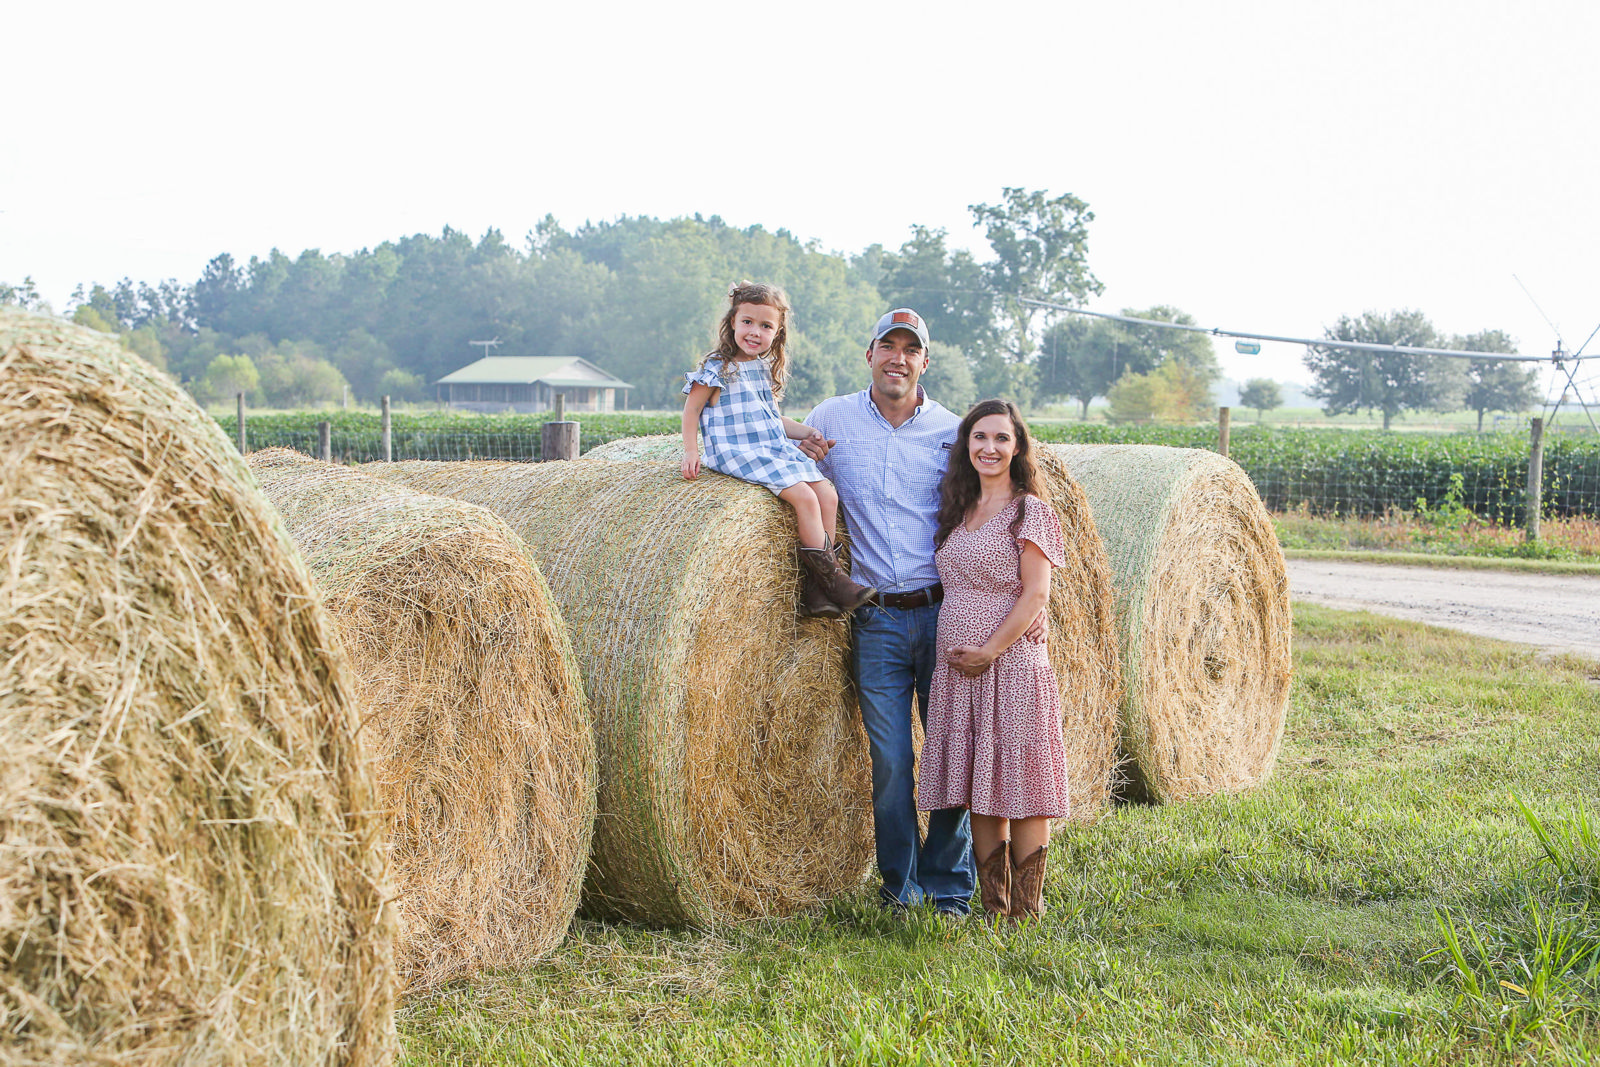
(325, 442)
(558, 440)
(240, 398)
(388, 436)
(1224, 417)
(1535, 478)
(560, 407)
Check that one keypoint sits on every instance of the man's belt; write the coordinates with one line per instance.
(917, 598)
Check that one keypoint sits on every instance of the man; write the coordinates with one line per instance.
(885, 450)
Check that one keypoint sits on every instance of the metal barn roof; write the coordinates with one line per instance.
(525, 370)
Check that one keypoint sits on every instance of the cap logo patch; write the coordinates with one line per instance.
(907, 318)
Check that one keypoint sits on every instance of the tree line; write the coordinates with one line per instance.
(639, 296)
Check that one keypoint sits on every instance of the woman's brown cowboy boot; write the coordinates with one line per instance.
(994, 881)
(831, 579)
(814, 603)
(1027, 885)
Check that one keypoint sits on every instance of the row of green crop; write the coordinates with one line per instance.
(1367, 473)
(1326, 472)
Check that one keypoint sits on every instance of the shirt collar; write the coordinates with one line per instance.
(872, 405)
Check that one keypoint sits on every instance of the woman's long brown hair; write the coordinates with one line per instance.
(960, 490)
(727, 349)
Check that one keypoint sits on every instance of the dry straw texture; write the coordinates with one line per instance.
(1083, 646)
(1083, 642)
(733, 770)
(1202, 606)
(471, 702)
(191, 863)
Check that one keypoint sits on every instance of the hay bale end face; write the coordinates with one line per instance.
(191, 860)
(1202, 608)
(471, 704)
(733, 769)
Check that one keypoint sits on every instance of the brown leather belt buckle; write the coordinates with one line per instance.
(917, 598)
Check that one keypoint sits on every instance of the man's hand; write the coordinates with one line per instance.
(691, 465)
(1038, 632)
(815, 445)
(970, 660)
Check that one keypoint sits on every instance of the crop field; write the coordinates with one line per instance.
(1334, 473)
(1383, 899)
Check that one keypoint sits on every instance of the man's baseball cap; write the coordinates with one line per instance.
(901, 319)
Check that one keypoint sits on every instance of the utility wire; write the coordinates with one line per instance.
(1360, 346)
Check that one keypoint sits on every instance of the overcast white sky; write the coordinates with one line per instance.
(1263, 166)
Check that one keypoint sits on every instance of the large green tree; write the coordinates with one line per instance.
(1041, 252)
(1263, 394)
(948, 288)
(1082, 358)
(1349, 380)
(1496, 384)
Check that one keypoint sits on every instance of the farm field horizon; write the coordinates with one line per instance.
(1301, 922)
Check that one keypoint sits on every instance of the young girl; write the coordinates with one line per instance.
(731, 398)
(994, 743)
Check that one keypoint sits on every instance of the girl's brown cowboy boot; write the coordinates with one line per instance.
(832, 580)
(1027, 885)
(814, 603)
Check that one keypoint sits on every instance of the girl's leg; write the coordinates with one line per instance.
(807, 514)
(828, 501)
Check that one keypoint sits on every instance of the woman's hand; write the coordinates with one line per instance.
(691, 465)
(970, 660)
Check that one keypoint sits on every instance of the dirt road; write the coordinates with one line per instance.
(1556, 612)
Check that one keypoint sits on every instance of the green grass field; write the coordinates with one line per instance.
(1297, 924)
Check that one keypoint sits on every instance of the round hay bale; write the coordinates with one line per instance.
(733, 767)
(1083, 644)
(192, 864)
(471, 702)
(650, 446)
(1202, 607)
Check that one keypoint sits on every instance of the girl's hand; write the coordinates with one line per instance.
(691, 465)
(970, 660)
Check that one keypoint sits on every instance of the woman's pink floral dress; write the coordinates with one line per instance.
(994, 742)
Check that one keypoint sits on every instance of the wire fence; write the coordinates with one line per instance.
(1336, 473)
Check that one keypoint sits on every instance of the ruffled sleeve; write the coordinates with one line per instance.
(1042, 526)
(705, 376)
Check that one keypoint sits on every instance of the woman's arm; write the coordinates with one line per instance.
(1034, 570)
(700, 394)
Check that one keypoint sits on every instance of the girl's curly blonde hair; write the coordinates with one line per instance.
(727, 349)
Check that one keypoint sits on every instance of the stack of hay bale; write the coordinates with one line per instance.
(1177, 584)
(191, 853)
(471, 701)
(733, 770)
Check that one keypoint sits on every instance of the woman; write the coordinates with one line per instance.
(994, 742)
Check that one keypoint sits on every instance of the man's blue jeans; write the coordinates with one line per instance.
(894, 651)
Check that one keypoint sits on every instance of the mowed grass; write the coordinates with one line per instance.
(1292, 925)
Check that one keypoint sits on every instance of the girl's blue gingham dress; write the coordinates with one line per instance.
(742, 433)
